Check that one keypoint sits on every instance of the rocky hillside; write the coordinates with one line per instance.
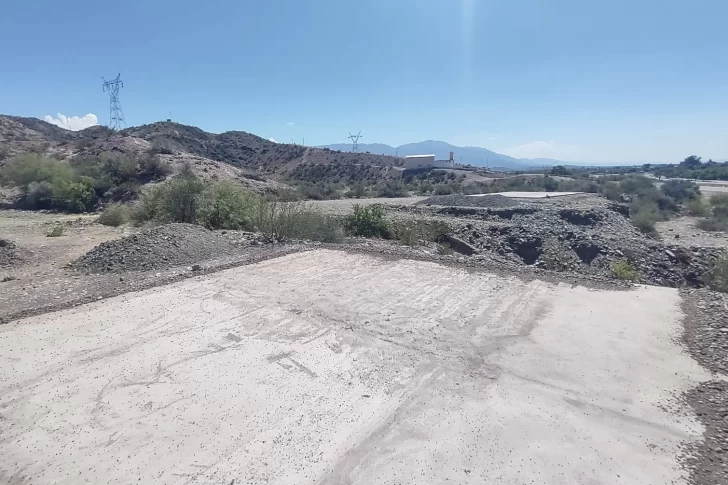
(234, 152)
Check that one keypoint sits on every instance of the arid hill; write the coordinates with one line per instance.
(233, 153)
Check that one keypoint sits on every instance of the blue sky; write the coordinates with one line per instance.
(581, 80)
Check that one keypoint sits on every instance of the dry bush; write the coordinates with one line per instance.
(114, 215)
(56, 231)
(697, 207)
(413, 232)
(718, 275)
(281, 221)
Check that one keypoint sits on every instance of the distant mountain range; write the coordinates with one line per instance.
(480, 157)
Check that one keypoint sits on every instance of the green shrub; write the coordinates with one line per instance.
(181, 199)
(681, 190)
(720, 200)
(295, 220)
(74, 196)
(23, 170)
(393, 188)
(413, 232)
(624, 270)
(114, 215)
(443, 189)
(39, 195)
(713, 224)
(56, 231)
(125, 192)
(549, 184)
(718, 275)
(226, 205)
(697, 207)
(47, 183)
(718, 220)
(611, 191)
(634, 184)
(152, 168)
(644, 214)
(289, 195)
(358, 191)
(150, 206)
(667, 205)
(177, 200)
(367, 221)
(425, 188)
(311, 225)
(560, 170)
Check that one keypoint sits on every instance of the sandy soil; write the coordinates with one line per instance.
(326, 367)
(710, 188)
(684, 232)
(346, 206)
(29, 230)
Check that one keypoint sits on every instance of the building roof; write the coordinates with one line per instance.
(420, 156)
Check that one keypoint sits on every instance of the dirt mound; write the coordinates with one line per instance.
(458, 200)
(10, 254)
(160, 247)
(576, 238)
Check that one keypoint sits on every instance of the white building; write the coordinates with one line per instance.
(412, 162)
(415, 162)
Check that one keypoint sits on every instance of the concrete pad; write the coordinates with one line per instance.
(528, 195)
(325, 367)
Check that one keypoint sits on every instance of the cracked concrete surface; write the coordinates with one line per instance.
(326, 367)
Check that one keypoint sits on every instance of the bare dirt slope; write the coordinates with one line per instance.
(326, 367)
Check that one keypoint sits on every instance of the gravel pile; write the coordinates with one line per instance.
(707, 460)
(582, 236)
(706, 329)
(9, 253)
(157, 248)
(706, 337)
(458, 200)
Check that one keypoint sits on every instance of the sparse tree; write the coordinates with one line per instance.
(692, 162)
(560, 170)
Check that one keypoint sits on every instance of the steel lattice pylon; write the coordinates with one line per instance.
(116, 115)
(354, 141)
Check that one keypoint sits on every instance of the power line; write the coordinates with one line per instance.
(355, 141)
(116, 115)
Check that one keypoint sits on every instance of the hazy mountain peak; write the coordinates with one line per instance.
(477, 156)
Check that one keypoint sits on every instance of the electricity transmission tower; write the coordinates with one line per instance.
(354, 141)
(116, 115)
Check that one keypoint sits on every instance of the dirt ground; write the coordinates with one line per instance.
(29, 230)
(346, 206)
(368, 362)
(683, 231)
(713, 187)
(327, 367)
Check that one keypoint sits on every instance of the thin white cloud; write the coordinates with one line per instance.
(290, 123)
(73, 123)
(273, 140)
